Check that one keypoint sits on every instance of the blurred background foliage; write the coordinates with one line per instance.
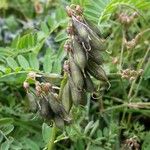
(32, 35)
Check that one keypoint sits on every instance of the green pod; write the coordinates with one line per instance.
(32, 102)
(96, 71)
(45, 109)
(95, 56)
(76, 74)
(66, 97)
(79, 54)
(57, 107)
(80, 28)
(95, 41)
(78, 96)
(82, 32)
(89, 86)
(93, 27)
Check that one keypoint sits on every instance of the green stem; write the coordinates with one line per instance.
(133, 83)
(88, 104)
(51, 144)
(124, 90)
(116, 107)
(120, 68)
(140, 81)
(139, 67)
(122, 50)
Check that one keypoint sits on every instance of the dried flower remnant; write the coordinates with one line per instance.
(38, 7)
(79, 10)
(131, 74)
(132, 144)
(115, 60)
(26, 85)
(127, 20)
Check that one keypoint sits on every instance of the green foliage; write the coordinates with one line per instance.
(107, 121)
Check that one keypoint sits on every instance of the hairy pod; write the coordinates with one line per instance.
(57, 107)
(81, 31)
(76, 73)
(32, 102)
(78, 96)
(93, 27)
(79, 54)
(45, 109)
(96, 42)
(89, 86)
(96, 71)
(95, 55)
(80, 28)
(66, 97)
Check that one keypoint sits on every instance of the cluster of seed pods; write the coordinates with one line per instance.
(84, 48)
(43, 98)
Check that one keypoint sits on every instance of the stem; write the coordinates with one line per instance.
(88, 105)
(124, 90)
(133, 83)
(140, 105)
(122, 50)
(4, 135)
(140, 82)
(116, 107)
(120, 68)
(88, 146)
(51, 144)
(139, 66)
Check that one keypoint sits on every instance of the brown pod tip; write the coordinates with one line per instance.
(69, 11)
(79, 10)
(66, 66)
(26, 85)
(67, 46)
(46, 87)
(70, 30)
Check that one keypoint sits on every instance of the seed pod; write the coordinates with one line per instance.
(79, 54)
(32, 102)
(89, 86)
(97, 71)
(80, 28)
(76, 74)
(66, 98)
(57, 107)
(81, 31)
(45, 109)
(59, 122)
(93, 27)
(78, 97)
(95, 55)
(96, 42)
